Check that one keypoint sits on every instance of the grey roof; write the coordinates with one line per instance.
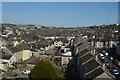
(29, 40)
(95, 73)
(90, 66)
(86, 58)
(6, 56)
(18, 48)
(33, 58)
(42, 46)
(83, 52)
(37, 45)
(64, 40)
(33, 50)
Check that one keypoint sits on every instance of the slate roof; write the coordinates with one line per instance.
(38, 46)
(95, 73)
(33, 50)
(41, 46)
(6, 56)
(18, 48)
(64, 40)
(33, 58)
(83, 52)
(86, 58)
(90, 66)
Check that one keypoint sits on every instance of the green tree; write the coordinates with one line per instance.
(43, 70)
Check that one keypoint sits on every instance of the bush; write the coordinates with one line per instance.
(12, 68)
(43, 70)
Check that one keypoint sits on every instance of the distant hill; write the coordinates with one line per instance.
(111, 26)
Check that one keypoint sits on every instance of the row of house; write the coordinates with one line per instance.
(101, 44)
(102, 38)
(86, 65)
(13, 54)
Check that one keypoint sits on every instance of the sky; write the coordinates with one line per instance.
(60, 14)
(119, 13)
(60, 0)
(0, 12)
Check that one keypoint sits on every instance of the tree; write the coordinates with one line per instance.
(43, 70)
(31, 35)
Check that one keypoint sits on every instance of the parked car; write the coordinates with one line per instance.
(115, 72)
(103, 51)
(117, 62)
(101, 57)
(107, 63)
(111, 58)
(26, 71)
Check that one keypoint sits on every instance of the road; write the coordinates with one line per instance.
(116, 67)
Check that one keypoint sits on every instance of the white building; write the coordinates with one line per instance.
(65, 60)
(9, 60)
(99, 44)
(68, 53)
(23, 55)
(58, 43)
(111, 43)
